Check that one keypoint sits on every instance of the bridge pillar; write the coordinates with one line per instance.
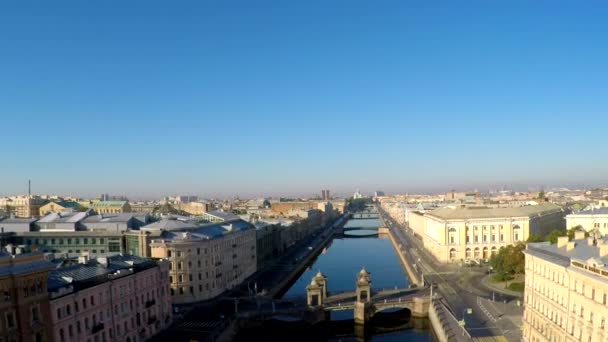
(321, 280)
(421, 306)
(314, 294)
(363, 286)
(363, 307)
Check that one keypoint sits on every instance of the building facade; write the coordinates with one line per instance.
(208, 260)
(566, 290)
(24, 307)
(58, 207)
(111, 207)
(110, 299)
(22, 206)
(455, 234)
(594, 220)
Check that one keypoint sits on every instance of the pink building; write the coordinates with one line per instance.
(121, 298)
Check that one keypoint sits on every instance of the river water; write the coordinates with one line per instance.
(342, 259)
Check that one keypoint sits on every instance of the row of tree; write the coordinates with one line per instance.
(510, 260)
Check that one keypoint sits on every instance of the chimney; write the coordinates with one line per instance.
(562, 241)
(83, 258)
(570, 246)
(579, 235)
(590, 241)
(603, 247)
(103, 261)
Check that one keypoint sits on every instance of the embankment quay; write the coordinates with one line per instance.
(475, 309)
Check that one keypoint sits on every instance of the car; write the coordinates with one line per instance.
(471, 262)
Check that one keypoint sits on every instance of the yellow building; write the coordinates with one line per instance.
(566, 290)
(205, 260)
(105, 207)
(454, 234)
(22, 206)
(58, 207)
(590, 220)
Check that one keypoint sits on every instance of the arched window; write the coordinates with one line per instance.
(452, 254)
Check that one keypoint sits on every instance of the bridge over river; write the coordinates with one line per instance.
(364, 301)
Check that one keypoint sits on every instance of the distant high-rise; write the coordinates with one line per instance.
(325, 195)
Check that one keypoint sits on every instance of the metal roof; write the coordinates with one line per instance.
(449, 213)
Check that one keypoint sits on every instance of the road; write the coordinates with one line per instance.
(493, 314)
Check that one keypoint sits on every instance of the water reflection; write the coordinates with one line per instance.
(340, 262)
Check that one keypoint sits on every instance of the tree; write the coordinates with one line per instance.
(541, 195)
(535, 238)
(554, 234)
(509, 261)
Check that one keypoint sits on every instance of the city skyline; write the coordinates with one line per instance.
(267, 99)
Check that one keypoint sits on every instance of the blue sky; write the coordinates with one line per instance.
(282, 97)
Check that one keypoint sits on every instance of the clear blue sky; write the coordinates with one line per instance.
(285, 97)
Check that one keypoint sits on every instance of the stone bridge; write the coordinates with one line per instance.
(364, 301)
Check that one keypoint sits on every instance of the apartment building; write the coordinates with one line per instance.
(453, 233)
(208, 259)
(594, 220)
(24, 306)
(566, 290)
(22, 206)
(121, 298)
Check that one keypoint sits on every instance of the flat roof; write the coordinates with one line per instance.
(450, 213)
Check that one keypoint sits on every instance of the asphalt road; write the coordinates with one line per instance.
(493, 314)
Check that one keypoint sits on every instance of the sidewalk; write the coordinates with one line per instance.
(485, 281)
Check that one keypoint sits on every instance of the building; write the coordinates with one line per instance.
(218, 216)
(61, 222)
(566, 290)
(73, 233)
(108, 207)
(357, 194)
(25, 306)
(325, 195)
(193, 208)
(590, 220)
(58, 207)
(207, 260)
(22, 206)
(14, 224)
(118, 222)
(73, 243)
(122, 298)
(452, 233)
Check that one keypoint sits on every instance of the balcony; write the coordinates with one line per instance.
(150, 303)
(97, 328)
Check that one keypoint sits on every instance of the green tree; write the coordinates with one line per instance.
(535, 238)
(554, 234)
(508, 262)
(541, 195)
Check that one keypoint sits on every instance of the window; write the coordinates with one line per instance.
(78, 327)
(58, 313)
(92, 300)
(168, 253)
(198, 251)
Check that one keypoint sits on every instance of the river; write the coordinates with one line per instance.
(340, 262)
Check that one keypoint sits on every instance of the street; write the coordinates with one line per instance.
(493, 313)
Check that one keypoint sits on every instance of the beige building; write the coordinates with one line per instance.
(453, 234)
(22, 206)
(590, 220)
(566, 290)
(59, 207)
(193, 208)
(206, 260)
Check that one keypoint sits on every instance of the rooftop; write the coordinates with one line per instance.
(104, 204)
(208, 231)
(596, 211)
(451, 213)
(223, 215)
(170, 224)
(115, 217)
(95, 272)
(66, 217)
